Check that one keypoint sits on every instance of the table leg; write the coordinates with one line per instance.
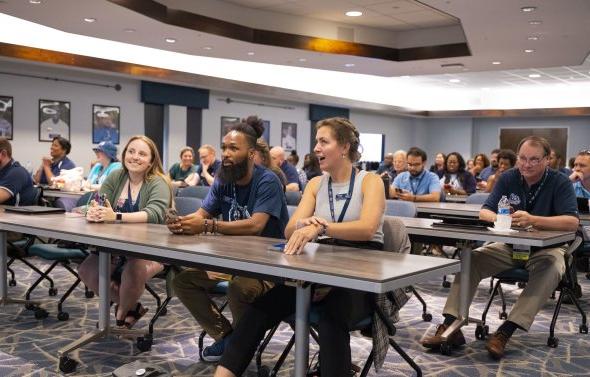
(302, 328)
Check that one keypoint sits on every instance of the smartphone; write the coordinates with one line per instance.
(280, 247)
(171, 215)
(398, 190)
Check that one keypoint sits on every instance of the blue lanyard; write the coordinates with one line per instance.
(530, 202)
(415, 189)
(348, 197)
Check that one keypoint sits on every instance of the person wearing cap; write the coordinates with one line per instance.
(106, 155)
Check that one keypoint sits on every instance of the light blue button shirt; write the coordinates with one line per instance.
(580, 190)
(425, 183)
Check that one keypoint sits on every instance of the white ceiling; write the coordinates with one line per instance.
(495, 30)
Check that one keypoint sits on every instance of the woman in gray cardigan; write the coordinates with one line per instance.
(138, 193)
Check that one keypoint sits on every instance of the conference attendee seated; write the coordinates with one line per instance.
(106, 163)
(293, 159)
(342, 207)
(556, 162)
(541, 198)
(58, 159)
(457, 180)
(581, 175)
(311, 166)
(480, 162)
(277, 155)
(417, 184)
(491, 169)
(209, 165)
(251, 201)
(140, 192)
(16, 185)
(506, 160)
(262, 158)
(386, 167)
(439, 164)
(183, 173)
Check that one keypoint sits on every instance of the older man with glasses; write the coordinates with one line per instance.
(541, 198)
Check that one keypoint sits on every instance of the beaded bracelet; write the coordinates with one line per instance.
(205, 227)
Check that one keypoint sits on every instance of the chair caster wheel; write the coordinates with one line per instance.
(63, 316)
(446, 284)
(12, 283)
(144, 343)
(53, 291)
(67, 365)
(89, 294)
(446, 349)
(553, 342)
(41, 313)
(426, 317)
(263, 371)
(503, 315)
(584, 329)
(164, 311)
(481, 332)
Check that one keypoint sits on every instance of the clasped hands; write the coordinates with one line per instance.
(98, 214)
(189, 224)
(522, 219)
(307, 230)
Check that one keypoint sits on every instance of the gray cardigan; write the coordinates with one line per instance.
(154, 196)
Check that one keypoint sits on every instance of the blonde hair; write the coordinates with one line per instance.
(209, 148)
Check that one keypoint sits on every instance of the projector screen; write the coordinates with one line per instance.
(372, 147)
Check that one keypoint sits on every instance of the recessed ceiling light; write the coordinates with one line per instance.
(454, 81)
(496, 63)
(129, 30)
(250, 53)
(353, 13)
(534, 75)
(90, 19)
(207, 48)
(529, 50)
(170, 40)
(535, 22)
(35, 1)
(349, 65)
(528, 9)
(302, 60)
(533, 38)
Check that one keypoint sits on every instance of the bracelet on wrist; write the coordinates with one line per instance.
(205, 227)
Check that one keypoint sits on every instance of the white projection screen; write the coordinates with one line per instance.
(372, 147)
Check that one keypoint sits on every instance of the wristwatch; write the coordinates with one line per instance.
(118, 217)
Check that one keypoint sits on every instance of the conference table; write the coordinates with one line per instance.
(365, 270)
(422, 230)
(456, 198)
(52, 193)
(447, 208)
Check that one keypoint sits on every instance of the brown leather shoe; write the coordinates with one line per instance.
(456, 339)
(496, 345)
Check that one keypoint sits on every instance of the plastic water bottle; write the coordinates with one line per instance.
(503, 219)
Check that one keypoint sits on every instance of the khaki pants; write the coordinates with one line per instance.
(192, 286)
(545, 268)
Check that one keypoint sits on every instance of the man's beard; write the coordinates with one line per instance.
(414, 173)
(494, 164)
(233, 173)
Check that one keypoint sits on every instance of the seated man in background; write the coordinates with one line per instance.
(541, 198)
(581, 175)
(417, 184)
(277, 155)
(251, 201)
(16, 184)
(506, 160)
(209, 165)
(386, 167)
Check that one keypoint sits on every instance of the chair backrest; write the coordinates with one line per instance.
(291, 210)
(293, 198)
(187, 205)
(194, 192)
(395, 236)
(477, 198)
(38, 198)
(83, 200)
(400, 208)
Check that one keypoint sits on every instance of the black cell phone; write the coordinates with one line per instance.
(398, 190)
(280, 247)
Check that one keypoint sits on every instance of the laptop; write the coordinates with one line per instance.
(466, 222)
(33, 210)
(583, 205)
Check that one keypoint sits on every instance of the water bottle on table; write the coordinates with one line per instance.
(503, 218)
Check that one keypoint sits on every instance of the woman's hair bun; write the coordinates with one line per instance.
(256, 124)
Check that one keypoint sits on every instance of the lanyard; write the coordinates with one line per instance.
(530, 202)
(348, 197)
(415, 189)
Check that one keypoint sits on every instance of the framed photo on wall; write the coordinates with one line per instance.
(266, 133)
(105, 123)
(289, 136)
(54, 119)
(226, 124)
(6, 117)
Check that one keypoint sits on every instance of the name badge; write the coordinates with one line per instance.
(341, 196)
(227, 199)
(522, 255)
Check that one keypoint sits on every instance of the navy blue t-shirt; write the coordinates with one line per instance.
(264, 194)
(291, 173)
(64, 163)
(212, 171)
(553, 195)
(18, 182)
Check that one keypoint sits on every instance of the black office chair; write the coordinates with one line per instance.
(199, 192)
(293, 197)
(566, 287)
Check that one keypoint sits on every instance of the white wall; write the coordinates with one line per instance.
(28, 91)
(444, 135)
(398, 131)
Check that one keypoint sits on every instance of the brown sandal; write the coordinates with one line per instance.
(135, 314)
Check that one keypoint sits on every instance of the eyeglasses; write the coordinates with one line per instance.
(416, 165)
(533, 161)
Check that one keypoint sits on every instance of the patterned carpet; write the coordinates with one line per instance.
(28, 347)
